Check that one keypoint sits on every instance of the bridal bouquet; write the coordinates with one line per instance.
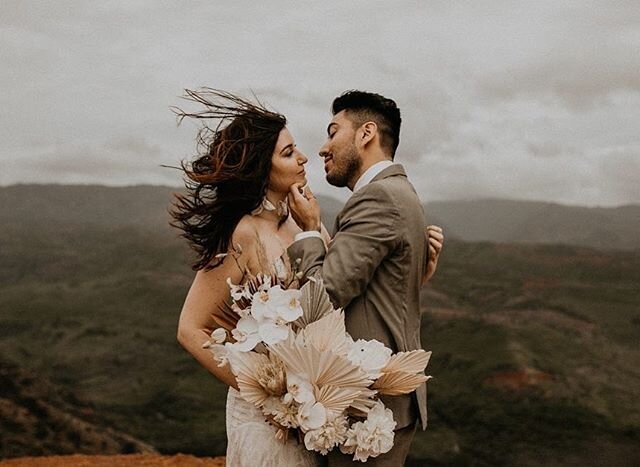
(294, 360)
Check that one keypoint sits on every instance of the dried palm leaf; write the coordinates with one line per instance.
(414, 361)
(321, 368)
(336, 399)
(328, 334)
(245, 366)
(225, 317)
(315, 303)
(398, 382)
(364, 403)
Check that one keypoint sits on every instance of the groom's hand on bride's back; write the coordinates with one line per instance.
(434, 236)
(304, 208)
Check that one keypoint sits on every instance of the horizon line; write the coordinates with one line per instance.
(442, 200)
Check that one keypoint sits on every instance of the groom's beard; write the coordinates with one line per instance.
(345, 168)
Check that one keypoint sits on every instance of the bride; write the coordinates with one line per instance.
(236, 196)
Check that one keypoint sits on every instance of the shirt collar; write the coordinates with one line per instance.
(370, 174)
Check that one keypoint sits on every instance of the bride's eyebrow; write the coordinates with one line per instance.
(290, 145)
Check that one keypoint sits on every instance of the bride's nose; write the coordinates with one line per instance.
(302, 159)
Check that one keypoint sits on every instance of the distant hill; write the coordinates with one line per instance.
(509, 221)
(492, 220)
(88, 205)
(145, 206)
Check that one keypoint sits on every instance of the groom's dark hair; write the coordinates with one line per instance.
(364, 106)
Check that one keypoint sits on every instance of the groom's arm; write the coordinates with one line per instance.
(366, 235)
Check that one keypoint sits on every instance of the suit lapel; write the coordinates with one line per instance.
(395, 170)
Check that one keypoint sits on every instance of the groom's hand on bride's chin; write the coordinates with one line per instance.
(304, 208)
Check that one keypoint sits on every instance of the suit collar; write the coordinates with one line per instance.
(391, 171)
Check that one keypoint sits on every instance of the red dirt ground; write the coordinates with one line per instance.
(129, 460)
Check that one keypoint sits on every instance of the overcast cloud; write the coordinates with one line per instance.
(526, 100)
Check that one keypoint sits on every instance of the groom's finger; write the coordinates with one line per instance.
(308, 193)
(435, 244)
(295, 195)
(435, 234)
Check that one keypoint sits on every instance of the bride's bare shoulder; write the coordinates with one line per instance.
(246, 230)
(246, 237)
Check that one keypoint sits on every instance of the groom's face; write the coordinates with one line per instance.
(341, 159)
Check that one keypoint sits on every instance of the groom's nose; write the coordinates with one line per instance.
(323, 150)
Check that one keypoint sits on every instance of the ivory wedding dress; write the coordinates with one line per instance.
(251, 441)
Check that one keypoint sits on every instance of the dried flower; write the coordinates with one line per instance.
(283, 413)
(271, 376)
(372, 437)
(328, 436)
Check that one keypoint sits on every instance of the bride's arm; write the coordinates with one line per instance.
(197, 318)
(208, 293)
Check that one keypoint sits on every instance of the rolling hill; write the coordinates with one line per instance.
(491, 220)
(535, 356)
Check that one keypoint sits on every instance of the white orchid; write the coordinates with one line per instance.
(220, 353)
(238, 292)
(276, 304)
(272, 332)
(372, 356)
(311, 416)
(286, 303)
(246, 334)
(218, 336)
(300, 389)
(273, 308)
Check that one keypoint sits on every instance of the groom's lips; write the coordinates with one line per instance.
(327, 159)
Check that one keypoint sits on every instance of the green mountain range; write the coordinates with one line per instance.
(535, 347)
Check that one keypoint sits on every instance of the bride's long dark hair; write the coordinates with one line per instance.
(229, 175)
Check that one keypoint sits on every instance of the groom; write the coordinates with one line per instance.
(374, 266)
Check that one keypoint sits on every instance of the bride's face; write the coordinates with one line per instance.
(287, 164)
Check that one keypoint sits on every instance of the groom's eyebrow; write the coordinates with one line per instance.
(330, 125)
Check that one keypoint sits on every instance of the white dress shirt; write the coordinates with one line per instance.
(364, 180)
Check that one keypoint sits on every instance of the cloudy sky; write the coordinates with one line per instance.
(527, 100)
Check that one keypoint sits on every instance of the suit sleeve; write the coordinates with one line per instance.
(367, 233)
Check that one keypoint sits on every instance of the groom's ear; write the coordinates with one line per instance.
(367, 133)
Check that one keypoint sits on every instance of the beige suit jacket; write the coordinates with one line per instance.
(373, 269)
